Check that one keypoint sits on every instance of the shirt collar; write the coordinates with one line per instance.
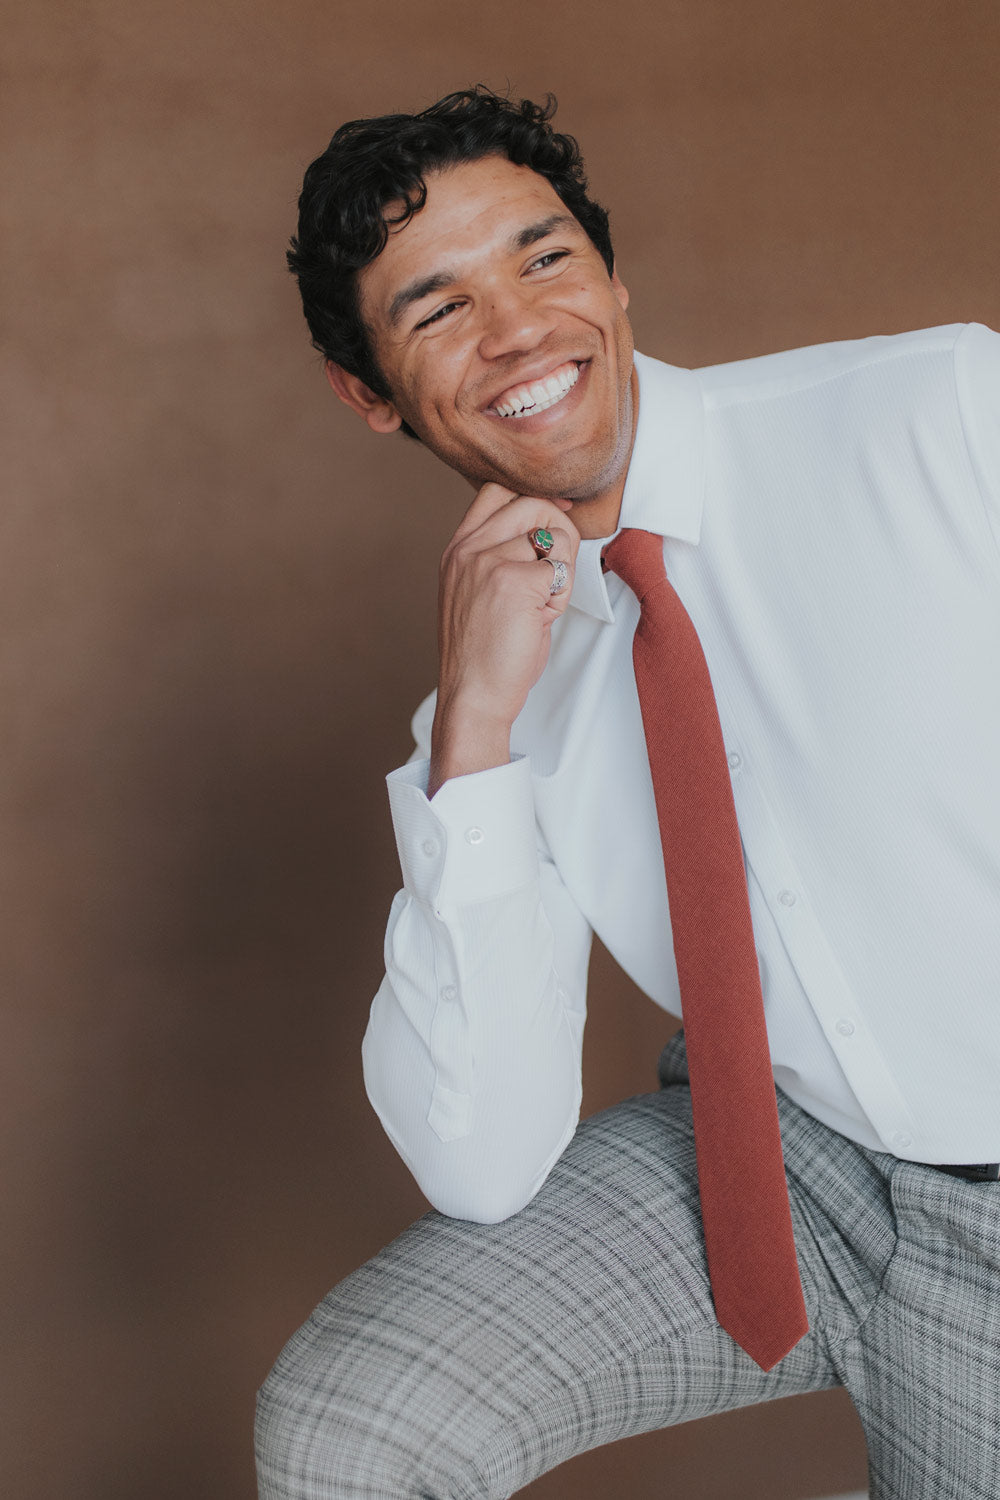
(665, 485)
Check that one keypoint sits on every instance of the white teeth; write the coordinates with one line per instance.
(526, 400)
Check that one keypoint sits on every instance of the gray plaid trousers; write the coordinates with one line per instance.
(464, 1360)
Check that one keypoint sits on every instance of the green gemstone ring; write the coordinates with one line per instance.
(542, 541)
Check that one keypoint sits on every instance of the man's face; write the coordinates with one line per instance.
(502, 338)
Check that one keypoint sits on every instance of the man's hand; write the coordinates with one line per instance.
(494, 615)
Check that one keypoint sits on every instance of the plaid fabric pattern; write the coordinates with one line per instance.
(464, 1360)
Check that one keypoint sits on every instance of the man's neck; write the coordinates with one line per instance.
(598, 515)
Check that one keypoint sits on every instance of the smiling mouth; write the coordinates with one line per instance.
(537, 395)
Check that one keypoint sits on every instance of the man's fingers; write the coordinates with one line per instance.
(491, 498)
(565, 543)
(559, 571)
(501, 513)
(515, 522)
(477, 553)
(537, 574)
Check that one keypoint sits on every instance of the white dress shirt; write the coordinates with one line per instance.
(831, 521)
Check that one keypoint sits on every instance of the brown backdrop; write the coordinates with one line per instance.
(206, 673)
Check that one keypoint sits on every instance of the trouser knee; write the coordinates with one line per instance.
(309, 1446)
(287, 1435)
(335, 1429)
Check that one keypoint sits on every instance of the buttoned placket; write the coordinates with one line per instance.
(824, 985)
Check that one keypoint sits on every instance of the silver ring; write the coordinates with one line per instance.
(560, 574)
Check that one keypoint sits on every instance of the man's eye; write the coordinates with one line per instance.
(438, 314)
(548, 259)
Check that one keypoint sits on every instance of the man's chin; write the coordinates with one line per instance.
(551, 480)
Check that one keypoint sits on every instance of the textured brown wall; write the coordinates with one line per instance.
(206, 673)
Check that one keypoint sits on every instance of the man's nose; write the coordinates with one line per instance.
(514, 320)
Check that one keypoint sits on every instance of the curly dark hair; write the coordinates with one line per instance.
(369, 164)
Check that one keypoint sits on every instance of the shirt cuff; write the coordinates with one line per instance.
(474, 842)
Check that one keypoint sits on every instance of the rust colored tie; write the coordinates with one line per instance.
(741, 1176)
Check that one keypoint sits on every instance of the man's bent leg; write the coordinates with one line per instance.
(465, 1360)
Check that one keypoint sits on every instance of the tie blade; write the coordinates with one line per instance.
(767, 1344)
(752, 1263)
(744, 1195)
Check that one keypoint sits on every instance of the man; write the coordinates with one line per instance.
(829, 520)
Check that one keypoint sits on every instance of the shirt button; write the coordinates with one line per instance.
(901, 1140)
(845, 1026)
(449, 992)
(474, 835)
(430, 847)
(735, 760)
(787, 898)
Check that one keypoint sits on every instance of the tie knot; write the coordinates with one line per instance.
(637, 557)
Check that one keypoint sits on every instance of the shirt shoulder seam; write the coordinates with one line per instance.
(770, 388)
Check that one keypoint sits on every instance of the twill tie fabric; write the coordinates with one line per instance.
(741, 1178)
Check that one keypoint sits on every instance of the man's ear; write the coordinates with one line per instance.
(620, 291)
(380, 414)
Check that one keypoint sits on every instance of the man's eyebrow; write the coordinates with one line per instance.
(423, 286)
(532, 233)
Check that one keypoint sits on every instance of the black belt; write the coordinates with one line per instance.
(984, 1171)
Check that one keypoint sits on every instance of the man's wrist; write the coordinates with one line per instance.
(463, 742)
